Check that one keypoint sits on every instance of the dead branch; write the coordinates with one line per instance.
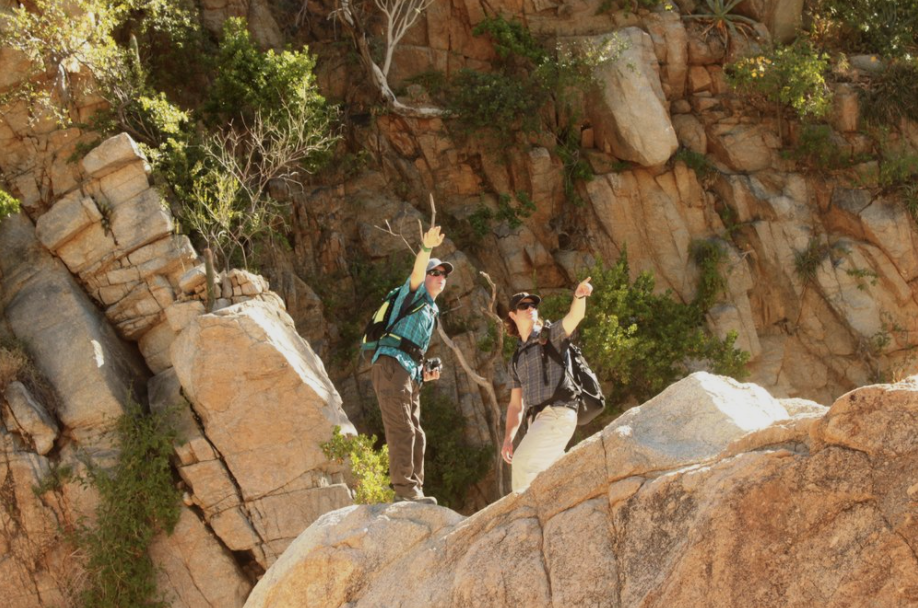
(398, 21)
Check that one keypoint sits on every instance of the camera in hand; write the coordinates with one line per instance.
(432, 365)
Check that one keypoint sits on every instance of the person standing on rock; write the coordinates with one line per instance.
(534, 377)
(398, 371)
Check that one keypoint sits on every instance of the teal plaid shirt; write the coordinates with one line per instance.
(417, 327)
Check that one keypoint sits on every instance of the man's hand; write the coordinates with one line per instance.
(584, 289)
(432, 375)
(506, 452)
(432, 238)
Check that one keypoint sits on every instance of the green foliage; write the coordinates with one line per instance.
(451, 464)
(514, 214)
(137, 500)
(249, 80)
(886, 27)
(576, 168)
(808, 261)
(862, 276)
(529, 76)
(721, 18)
(698, 163)
(495, 103)
(897, 169)
(892, 94)
(708, 256)
(792, 76)
(369, 466)
(511, 38)
(816, 148)
(54, 480)
(8, 204)
(639, 342)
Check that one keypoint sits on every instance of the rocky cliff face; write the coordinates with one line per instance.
(109, 301)
(711, 494)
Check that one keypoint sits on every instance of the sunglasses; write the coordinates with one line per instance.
(527, 306)
(437, 273)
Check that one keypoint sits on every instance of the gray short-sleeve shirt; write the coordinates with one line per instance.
(528, 372)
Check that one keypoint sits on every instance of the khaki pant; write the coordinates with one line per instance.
(543, 444)
(400, 402)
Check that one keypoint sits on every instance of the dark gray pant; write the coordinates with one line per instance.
(400, 402)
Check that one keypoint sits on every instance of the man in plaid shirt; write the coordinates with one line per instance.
(534, 377)
(398, 370)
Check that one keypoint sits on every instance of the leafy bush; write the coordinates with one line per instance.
(495, 103)
(698, 163)
(708, 256)
(576, 168)
(452, 465)
(249, 80)
(369, 466)
(639, 342)
(483, 217)
(886, 27)
(720, 17)
(791, 76)
(816, 148)
(137, 500)
(892, 94)
(8, 204)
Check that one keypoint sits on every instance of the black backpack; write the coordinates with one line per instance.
(377, 333)
(579, 382)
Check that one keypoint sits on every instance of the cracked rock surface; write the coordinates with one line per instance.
(689, 500)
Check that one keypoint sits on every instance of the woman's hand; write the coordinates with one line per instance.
(584, 289)
(506, 452)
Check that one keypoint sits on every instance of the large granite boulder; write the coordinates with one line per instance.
(628, 113)
(73, 345)
(679, 503)
(265, 404)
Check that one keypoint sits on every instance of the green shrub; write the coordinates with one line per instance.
(816, 149)
(249, 80)
(495, 103)
(369, 466)
(698, 163)
(709, 255)
(719, 16)
(137, 500)
(576, 168)
(639, 342)
(791, 76)
(892, 94)
(886, 27)
(452, 465)
(808, 261)
(8, 204)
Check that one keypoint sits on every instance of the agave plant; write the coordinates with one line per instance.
(722, 19)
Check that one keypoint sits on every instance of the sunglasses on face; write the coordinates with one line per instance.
(437, 273)
(527, 306)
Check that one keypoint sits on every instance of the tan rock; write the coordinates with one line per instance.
(194, 570)
(93, 244)
(123, 184)
(832, 512)
(670, 43)
(66, 219)
(180, 314)
(110, 155)
(699, 79)
(783, 18)
(73, 345)
(690, 133)
(29, 418)
(742, 147)
(154, 346)
(140, 220)
(628, 113)
(846, 109)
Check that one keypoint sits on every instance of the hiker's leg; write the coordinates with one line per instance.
(394, 391)
(543, 444)
(420, 439)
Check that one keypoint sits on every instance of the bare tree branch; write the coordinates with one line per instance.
(397, 23)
